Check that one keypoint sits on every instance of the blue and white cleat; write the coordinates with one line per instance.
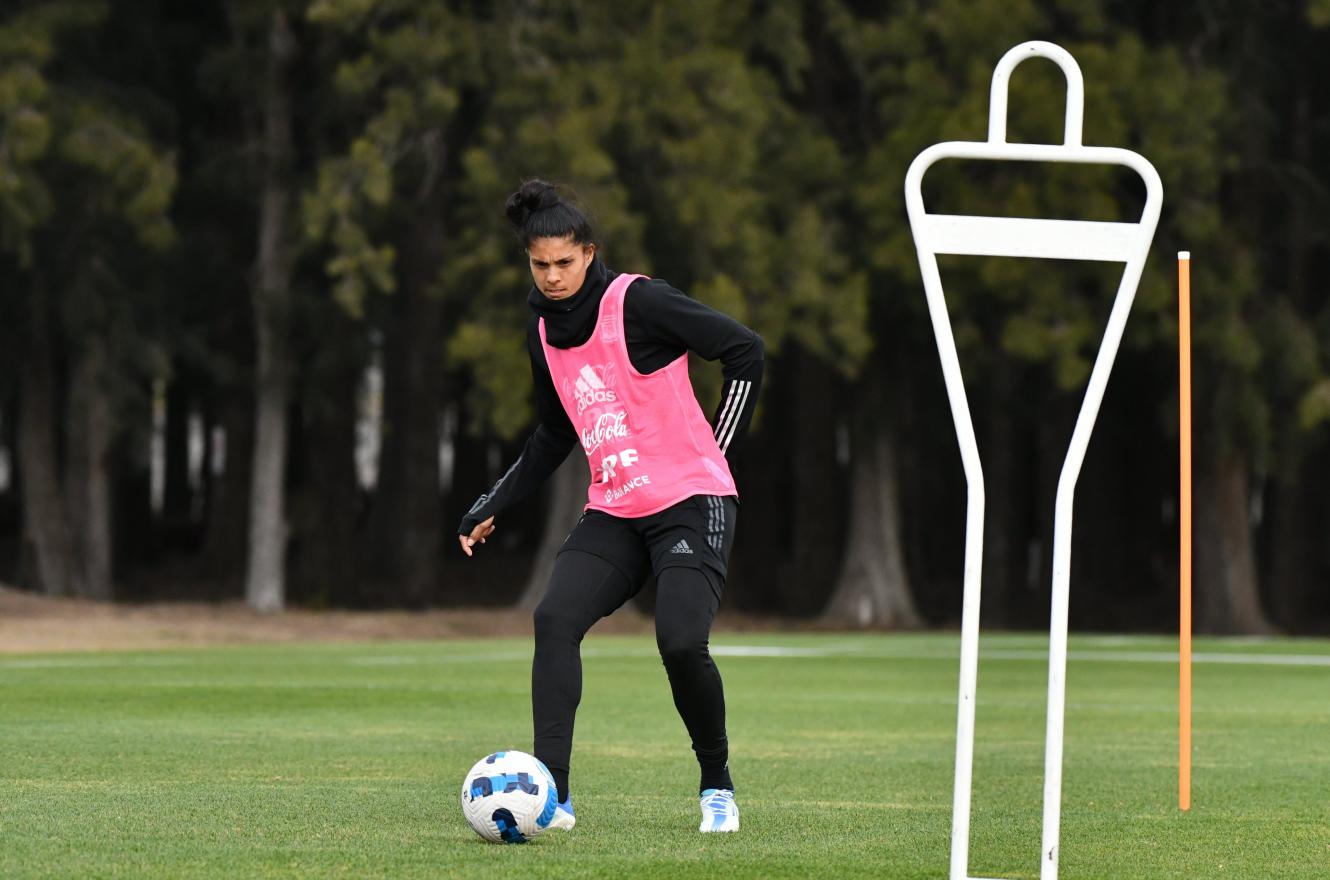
(719, 811)
(564, 820)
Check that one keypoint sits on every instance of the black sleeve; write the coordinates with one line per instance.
(545, 449)
(677, 320)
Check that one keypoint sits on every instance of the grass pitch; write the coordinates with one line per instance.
(347, 761)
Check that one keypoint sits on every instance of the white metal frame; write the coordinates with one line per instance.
(1020, 237)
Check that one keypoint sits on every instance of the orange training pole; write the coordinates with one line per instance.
(1184, 522)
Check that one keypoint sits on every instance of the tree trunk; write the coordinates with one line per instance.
(176, 496)
(874, 589)
(816, 508)
(567, 498)
(404, 528)
(1290, 575)
(1291, 501)
(227, 526)
(87, 477)
(406, 523)
(1002, 525)
(265, 585)
(1226, 596)
(327, 502)
(46, 535)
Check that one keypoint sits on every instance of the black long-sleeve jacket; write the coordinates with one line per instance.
(660, 325)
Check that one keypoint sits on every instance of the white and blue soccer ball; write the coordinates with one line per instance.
(509, 797)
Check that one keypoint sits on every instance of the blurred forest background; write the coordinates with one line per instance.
(261, 320)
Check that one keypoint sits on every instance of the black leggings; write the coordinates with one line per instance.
(584, 588)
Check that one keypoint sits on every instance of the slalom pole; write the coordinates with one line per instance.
(1184, 524)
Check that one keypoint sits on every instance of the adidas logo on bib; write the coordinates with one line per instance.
(682, 547)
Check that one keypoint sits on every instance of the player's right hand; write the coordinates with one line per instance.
(483, 530)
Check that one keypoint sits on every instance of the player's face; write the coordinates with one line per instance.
(559, 265)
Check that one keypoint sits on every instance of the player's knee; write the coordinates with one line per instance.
(554, 622)
(682, 648)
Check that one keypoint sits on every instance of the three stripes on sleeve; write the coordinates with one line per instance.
(731, 414)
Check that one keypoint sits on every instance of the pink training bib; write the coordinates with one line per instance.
(646, 440)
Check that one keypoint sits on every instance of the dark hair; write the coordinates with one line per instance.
(537, 210)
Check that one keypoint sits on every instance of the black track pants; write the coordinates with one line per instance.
(603, 564)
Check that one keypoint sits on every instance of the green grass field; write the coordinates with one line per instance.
(347, 761)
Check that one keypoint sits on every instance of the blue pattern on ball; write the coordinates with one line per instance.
(484, 786)
(507, 825)
(551, 797)
(551, 801)
(549, 777)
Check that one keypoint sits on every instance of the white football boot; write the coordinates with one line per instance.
(563, 820)
(719, 811)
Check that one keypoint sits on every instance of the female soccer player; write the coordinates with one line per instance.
(610, 368)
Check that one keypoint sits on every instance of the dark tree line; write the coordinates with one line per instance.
(261, 325)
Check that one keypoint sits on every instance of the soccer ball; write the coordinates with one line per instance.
(509, 797)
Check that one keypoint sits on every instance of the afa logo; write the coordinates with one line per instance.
(593, 386)
(624, 458)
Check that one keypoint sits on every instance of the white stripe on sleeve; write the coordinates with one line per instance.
(729, 401)
(735, 417)
(732, 414)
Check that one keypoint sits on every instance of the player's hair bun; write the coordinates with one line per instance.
(532, 196)
(537, 210)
